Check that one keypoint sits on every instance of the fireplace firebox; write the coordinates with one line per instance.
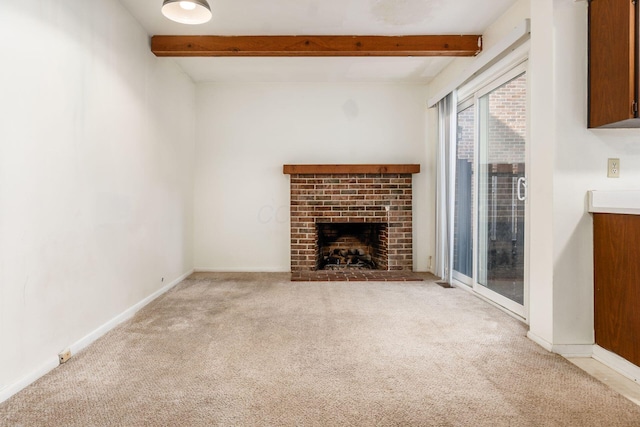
(352, 246)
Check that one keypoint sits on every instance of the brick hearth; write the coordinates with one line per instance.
(351, 194)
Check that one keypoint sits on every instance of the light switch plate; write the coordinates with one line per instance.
(613, 168)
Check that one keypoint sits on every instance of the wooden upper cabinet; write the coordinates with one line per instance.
(613, 67)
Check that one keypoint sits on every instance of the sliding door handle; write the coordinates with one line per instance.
(522, 185)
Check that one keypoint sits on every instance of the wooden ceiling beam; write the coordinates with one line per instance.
(464, 45)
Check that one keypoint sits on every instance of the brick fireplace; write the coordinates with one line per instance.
(363, 212)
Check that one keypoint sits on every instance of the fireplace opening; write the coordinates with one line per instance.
(360, 246)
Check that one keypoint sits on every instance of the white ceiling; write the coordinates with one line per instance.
(323, 17)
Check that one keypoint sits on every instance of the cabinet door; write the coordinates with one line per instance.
(616, 250)
(612, 61)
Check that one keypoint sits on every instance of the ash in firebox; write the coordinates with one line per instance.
(347, 258)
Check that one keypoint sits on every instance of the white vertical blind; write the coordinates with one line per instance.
(445, 173)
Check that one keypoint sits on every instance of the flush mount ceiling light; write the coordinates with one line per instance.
(187, 12)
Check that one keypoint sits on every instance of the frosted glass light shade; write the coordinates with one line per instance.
(190, 12)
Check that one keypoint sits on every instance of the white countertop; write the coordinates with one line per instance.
(615, 201)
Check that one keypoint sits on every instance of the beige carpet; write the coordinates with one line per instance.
(254, 350)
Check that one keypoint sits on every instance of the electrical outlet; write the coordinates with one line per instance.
(613, 168)
(64, 356)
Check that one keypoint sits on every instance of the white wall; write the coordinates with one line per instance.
(247, 132)
(96, 187)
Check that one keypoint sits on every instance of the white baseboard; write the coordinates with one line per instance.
(84, 342)
(45, 368)
(612, 360)
(573, 350)
(565, 350)
(540, 341)
(125, 315)
(242, 270)
(617, 363)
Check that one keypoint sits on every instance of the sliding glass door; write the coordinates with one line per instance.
(490, 191)
(502, 127)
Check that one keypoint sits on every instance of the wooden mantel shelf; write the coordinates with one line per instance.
(345, 169)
